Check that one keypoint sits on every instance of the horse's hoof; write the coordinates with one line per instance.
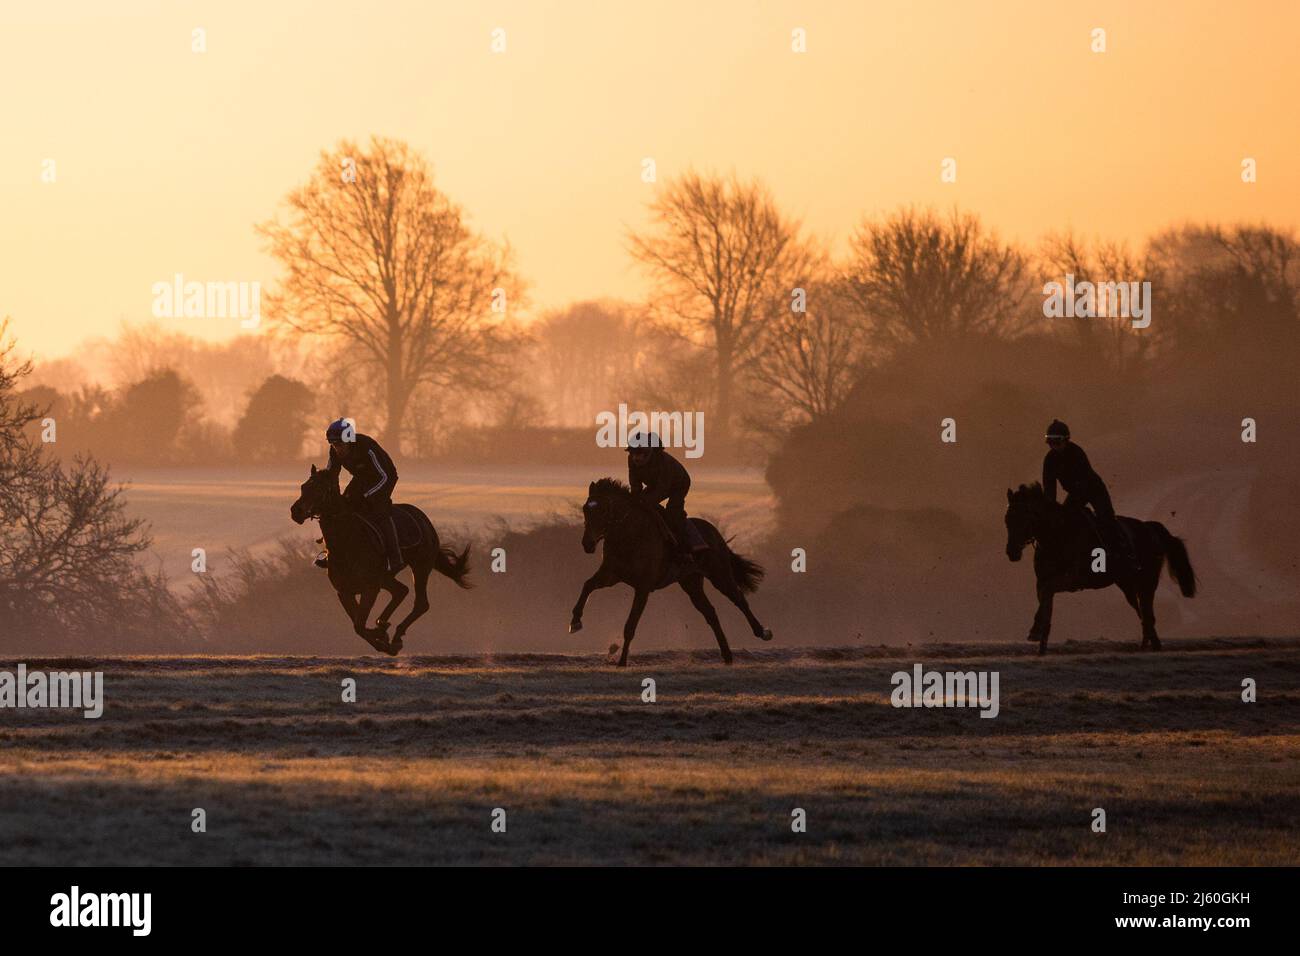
(394, 646)
(765, 634)
(575, 627)
(727, 660)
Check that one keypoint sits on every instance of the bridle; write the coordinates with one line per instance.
(612, 522)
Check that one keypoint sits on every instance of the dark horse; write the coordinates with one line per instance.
(358, 568)
(1064, 539)
(639, 553)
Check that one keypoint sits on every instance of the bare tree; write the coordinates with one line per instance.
(726, 261)
(814, 356)
(1111, 337)
(1229, 288)
(584, 358)
(67, 548)
(379, 257)
(918, 277)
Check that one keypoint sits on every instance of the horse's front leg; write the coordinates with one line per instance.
(374, 636)
(1042, 617)
(629, 628)
(349, 602)
(603, 578)
(398, 592)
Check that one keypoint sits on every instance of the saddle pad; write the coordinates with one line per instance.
(1094, 525)
(408, 528)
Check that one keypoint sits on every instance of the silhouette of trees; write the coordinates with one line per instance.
(812, 358)
(1229, 289)
(276, 421)
(918, 277)
(67, 548)
(584, 357)
(386, 262)
(725, 261)
(1109, 341)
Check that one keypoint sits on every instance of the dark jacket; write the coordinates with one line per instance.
(373, 473)
(662, 477)
(1070, 466)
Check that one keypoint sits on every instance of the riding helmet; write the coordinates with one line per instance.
(638, 440)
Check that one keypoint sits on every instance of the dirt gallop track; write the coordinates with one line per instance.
(587, 772)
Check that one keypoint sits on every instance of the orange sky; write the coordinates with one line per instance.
(166, 158)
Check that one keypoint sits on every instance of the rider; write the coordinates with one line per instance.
(1066, 462)
(654, 475)
(373, 476)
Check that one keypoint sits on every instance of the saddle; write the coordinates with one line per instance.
(408, 524)
(1094, 525)
(661, 522)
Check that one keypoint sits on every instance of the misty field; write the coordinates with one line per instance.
(709, 773)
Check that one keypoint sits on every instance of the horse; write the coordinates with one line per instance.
(358, 567)
(639, 552)
(1064, 539)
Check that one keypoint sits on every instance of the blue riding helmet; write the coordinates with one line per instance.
(337, 428)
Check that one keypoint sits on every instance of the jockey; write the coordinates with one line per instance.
(1066, 462)
(370, 491)
(655, 475)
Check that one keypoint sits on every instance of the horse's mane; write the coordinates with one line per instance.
(609, 486)
(1032, 492)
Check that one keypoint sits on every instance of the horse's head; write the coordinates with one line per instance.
(599, 512)
(319, 496)
(1026, 508)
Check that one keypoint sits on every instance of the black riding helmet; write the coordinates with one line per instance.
(1058, 429)
(639, 441)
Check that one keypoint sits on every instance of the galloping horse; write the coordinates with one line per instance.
(639, 553)
(1064, 540)
(358, 568)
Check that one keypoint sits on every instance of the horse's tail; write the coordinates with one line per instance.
(747, 573)
(1180, 565)
(453, 565)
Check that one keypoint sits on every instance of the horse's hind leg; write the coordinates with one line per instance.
(694, 586)
(365, 604)
(723, 580)
(1147, 611)
(1130, 595)
(421, 574)
(398, 592)
(629, 626)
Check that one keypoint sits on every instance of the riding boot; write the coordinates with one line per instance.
(390, 544)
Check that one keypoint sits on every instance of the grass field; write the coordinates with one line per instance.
(709, 773)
